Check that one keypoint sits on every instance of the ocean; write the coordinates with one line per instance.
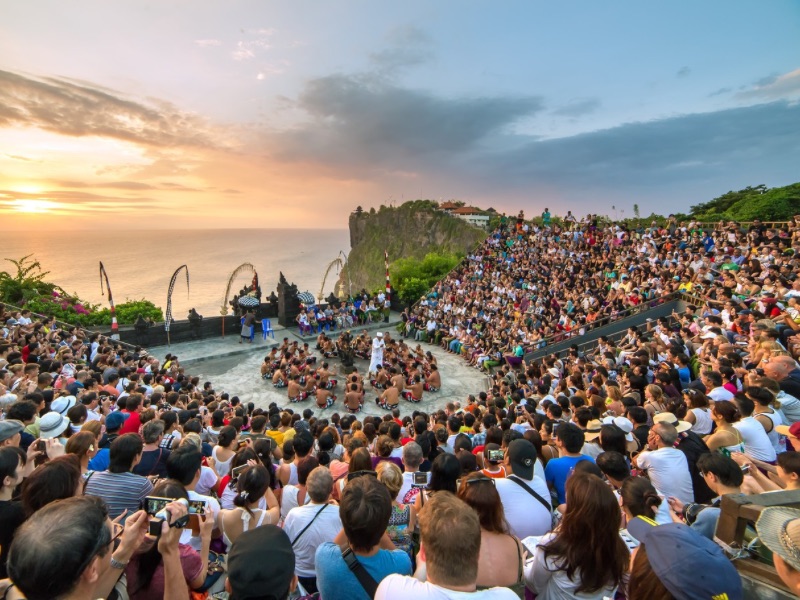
(140, 263)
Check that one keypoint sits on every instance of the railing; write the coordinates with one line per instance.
(557, 338)
(65, 325)
(737, 511)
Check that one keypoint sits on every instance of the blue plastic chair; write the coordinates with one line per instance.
(266, 328)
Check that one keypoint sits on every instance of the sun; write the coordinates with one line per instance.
(33, 206)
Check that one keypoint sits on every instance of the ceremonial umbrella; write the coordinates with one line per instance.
(306, 298)
(248, 301)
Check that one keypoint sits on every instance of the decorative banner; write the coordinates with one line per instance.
(240, 269)
(388, 285)
(168, 316)
(114, 325)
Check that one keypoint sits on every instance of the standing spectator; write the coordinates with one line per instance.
(365, 511)
(569, 441)
(527, 513)
(310, 525)
(585, 558)
(119, 487)
(450, 541)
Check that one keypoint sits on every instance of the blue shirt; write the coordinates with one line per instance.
(558, 470)
(337, 582)
(100, 460)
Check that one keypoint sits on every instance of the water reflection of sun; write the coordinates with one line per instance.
(33, 206)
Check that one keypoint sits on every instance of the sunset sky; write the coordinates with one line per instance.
(162, 114)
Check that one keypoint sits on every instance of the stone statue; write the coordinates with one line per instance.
(195, 324)
(141, 327)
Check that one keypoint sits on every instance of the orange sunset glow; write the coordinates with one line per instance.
(257, 114)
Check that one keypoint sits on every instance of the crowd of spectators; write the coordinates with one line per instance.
(587, 476)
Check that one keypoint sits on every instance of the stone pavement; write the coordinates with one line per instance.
(234, 368)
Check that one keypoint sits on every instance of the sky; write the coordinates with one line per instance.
(140, 114)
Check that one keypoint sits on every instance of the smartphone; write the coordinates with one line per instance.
(242, 444)
(236, 471)
(197, 507)
(153, 504)
(495, 455)
(745, 469)
(420, 478)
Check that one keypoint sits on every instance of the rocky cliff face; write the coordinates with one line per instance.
(408, 231)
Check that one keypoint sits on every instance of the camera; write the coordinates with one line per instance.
(156, 508)
(691, 510)
(420, 479)
(495, 456)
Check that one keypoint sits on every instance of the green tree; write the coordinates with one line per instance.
(26, 283)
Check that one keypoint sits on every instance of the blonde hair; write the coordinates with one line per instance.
(94, 427)
(656, 392)
(389, 475)
(193, 439)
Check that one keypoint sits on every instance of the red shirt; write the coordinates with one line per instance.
(131, 424)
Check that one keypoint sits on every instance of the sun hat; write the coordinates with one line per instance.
(792, 430)
(52, 425)
(63, 404)
(690, 566)
(626, 426)
(261, 564)
(667, 417)
(592, 430)
(10, 428)
(778, 528)
(522, 457)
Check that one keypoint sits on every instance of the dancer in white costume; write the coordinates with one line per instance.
(377, 353)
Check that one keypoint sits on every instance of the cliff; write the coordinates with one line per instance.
(411, 230)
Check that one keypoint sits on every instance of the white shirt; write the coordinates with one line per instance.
(720, 393)
(208, 479)
(548, 582)
(525, 514)
(289, 499)
(402, 587)
(323, 529)
(408, 480)
(668, 470)
(212, 508)
(756, 441)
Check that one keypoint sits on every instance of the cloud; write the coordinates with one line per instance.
(409, 46)
(18, 157)
(68, 200)
(208, 43)
(655, 157)
(578, 108)
(683, 72)
(720, 92)
(774, 87)
(73, 109)
(365, 120)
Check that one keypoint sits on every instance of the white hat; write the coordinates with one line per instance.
(554, 372)
(626, 426)
(52, 425)
(380, 334)
(63, 404)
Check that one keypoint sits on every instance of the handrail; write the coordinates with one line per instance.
(607, 320)
(65, 324)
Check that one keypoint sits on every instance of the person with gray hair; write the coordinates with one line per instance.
(412, 459)
(311, 525)
(154, 458)
(665, 465)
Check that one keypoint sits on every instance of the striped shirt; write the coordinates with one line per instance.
(120, 491)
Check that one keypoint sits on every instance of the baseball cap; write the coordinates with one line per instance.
(522, 456)
(778, 528)
(668, 417)
(114, 421)
(261, 564)
(63, 404)
(792, 430)
(9, 429)
(52, 425)
(690, 566)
